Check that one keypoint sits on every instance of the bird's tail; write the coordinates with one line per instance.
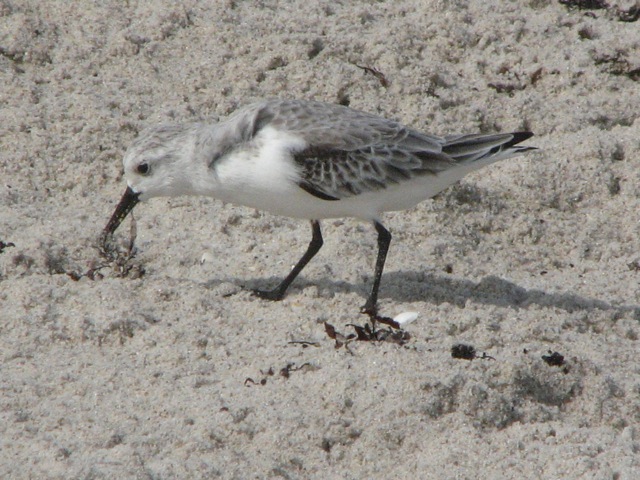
(465, 149)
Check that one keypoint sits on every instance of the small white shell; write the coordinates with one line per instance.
(207, 257)
(405, 318)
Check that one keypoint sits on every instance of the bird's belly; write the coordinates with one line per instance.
(288, 199)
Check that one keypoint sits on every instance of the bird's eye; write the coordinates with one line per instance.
(143, 168)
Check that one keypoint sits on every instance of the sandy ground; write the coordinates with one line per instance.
(163, 367)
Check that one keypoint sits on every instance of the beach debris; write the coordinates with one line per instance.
(304, 343)
(585, 4)
(337, 336)
(468, 352)
(376, 73)
(632, 14)
(283, 372)
(554, 359)
(291, 367)
(464, 352)
(368, 333)
(207, 257)
(250, 380)
(634, 266)
(405, 318)
(4, 245)
(118, 258)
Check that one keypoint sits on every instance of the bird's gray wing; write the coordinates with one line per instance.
(348, 152)
(345, 152)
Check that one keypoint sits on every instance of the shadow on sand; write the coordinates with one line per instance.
(431, 288)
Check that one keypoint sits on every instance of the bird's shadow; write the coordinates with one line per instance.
(491, 290)
(402, 286)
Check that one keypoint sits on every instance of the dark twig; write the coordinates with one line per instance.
(376, 73)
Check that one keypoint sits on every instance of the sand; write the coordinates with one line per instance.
(162, 366)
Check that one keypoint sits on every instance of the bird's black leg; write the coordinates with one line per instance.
(314, 246)
(384, 239)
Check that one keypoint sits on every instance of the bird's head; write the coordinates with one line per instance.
(159, 163)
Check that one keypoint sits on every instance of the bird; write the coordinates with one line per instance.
(310, 160)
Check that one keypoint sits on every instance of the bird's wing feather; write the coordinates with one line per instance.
(347, 152)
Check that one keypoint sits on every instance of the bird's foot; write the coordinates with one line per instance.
(371, 309)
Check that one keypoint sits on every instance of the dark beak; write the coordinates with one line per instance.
(127, 202)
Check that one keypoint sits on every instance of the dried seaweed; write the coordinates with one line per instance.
(284, 372)
(368, 333)
(554, 359)
(117, 257)
(468, 352)
(627, 16)
(4, 245)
